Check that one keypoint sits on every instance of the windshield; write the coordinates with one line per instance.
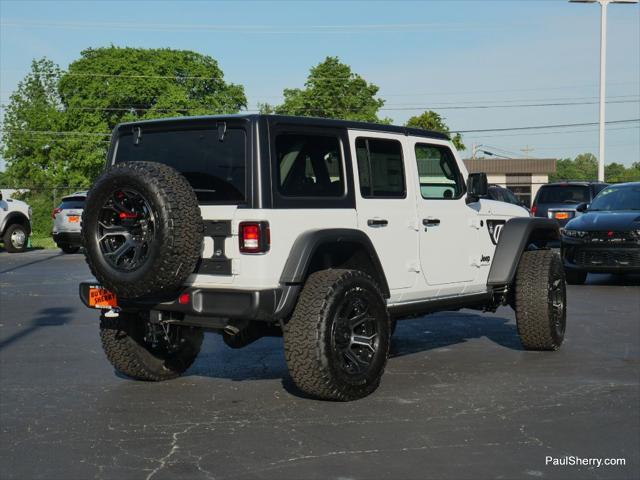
(625, 197)
(564, 194)
(214, 168)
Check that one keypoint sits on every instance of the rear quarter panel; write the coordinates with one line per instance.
(262, 271)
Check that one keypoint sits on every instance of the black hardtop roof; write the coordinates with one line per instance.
(306, 121)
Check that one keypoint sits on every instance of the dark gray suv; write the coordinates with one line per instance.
(559, 200)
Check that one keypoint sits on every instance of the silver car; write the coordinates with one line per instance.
(66, 222)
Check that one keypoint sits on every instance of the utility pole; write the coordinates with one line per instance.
(526, 150)
(603, 70)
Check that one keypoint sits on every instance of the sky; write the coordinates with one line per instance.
(439, 55)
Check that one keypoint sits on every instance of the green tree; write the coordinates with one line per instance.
(35, 159)
(431, 120)
(107, 86)
(583, 167)
(56, 127)
(332, 90)
(616, 172)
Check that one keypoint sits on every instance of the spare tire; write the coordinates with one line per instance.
(141, 229)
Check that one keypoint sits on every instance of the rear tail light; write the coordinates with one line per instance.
(254, 237)
(55, 212)
(534, 209)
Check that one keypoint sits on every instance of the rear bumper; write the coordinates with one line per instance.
(263, 305)
(67, 238)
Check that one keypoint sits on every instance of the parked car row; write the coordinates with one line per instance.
(605, 237)
(560, 200)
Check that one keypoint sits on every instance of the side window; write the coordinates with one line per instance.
(496, 194)
(438, 172)
(309, 165)
(510, 197)
(380, 168)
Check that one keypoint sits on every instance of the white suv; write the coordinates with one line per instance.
(67, 222)
(15, 224)
(324, 231)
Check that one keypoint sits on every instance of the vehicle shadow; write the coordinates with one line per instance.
(264, 360)
(629, 280)
(449, 328)
(47, 317)
(23, 265)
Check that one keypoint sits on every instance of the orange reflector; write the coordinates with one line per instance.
(562, 215)
(102, 298)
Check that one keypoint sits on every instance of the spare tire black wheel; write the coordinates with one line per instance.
(141, 229)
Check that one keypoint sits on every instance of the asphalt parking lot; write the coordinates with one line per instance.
(459, 399)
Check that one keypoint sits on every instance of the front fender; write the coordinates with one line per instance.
(516, 237)
(15, 217)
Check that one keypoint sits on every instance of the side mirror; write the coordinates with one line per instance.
(583, 207)
(477, 186)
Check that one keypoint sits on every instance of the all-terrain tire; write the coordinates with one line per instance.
(8, 242)
(174, 251)
(310, 335)
(124, 344)
(69, 249)
(540, 300)
(575, 277)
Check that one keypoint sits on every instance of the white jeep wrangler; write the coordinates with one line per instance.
(15, 224)
(322, 231)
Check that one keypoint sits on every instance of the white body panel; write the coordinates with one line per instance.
(262, 271)
(10, 205)
(419, 262)
(396, 242)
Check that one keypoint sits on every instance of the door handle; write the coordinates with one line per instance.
(430, 222)
(377, 222)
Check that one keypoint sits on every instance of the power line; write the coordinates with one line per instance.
(133, 109)
(261, 29)
(539, 127)
(553, 132)
(54, 133)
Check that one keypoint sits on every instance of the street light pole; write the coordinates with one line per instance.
(603, 73)
(603, 84)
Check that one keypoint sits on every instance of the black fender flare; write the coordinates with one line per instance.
(16, 217)
(307, 244)
(515, 238)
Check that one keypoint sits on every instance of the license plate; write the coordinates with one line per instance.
(74, 218)
(562, 215)
(102, 298)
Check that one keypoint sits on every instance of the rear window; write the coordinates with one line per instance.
(72, 203)
(216, 169)
(564, 194)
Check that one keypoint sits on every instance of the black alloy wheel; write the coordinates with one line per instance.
(355, 334)
(126, 230)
